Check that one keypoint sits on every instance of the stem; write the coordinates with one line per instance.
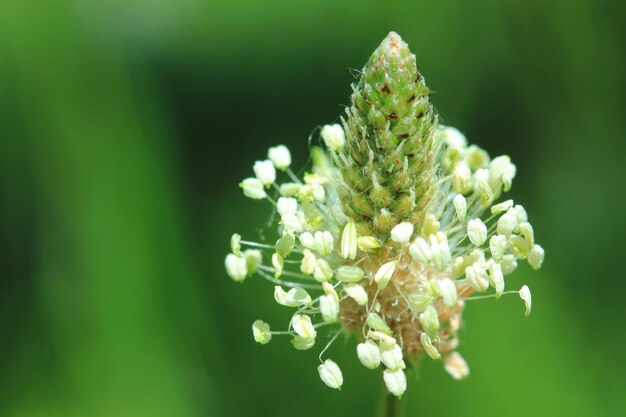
(389, 404)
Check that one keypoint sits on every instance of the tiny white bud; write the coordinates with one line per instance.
(501, 207)
(357, 293)
(431, 225)
(323, 272)
(420, 251)
(482, 187)
(308, 264)
(302, 343)
(520, 214)
(280, 156)
(430, 321)
(236, 267)
(476, 277)
(477, 232)
(377, 323)
(329, 289)
(235, 244)
(261, 332)
(285, 245)
(526, 230)
(295, 297)
(518, 246)
(395, 381)
(401, 233)
(367, 243)
(502, 170)
(461, 178)
(286, 206)
(349, 274)
(497, 245)
(507, 223)
(254, 258)
(496, 278)
(368, 354)
(420, 300)
(440, 251)
(380, 336)
(524, 294)
(319, 192)
(458, 266)
(278, 263)
(447, 289)
(301, 324)
(428, 346)
(476, 157)
(323, 243)
(456, 366)
(508, 264)
(330, 374)
(289, 189)
(535, 257)
(253, 188)
(384, 274)
(453, 137)
(460, 206)
(477, 255)
(391, 355)
(333, 137)
(349, 240)
(291, 222)
(307, 240)
(329, 307)
(265, 172)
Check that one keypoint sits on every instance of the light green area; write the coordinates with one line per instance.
(125, 127)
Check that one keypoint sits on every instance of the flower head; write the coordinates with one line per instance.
(396, 226)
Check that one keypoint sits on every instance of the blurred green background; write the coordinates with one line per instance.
(125, 127)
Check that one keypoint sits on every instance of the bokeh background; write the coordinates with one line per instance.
(125, 127)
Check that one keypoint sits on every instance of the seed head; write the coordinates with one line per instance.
(394, 228)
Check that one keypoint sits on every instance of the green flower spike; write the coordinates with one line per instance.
(395, 228)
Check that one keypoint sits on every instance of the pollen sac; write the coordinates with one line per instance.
(349, 241)
(350, 274)
(265, 172)
(369, 354)
(295, 297)
(253, 188)
(329, 307)
(395, 381)
(391, 355)
(261, 332)
(477, 232)
(333, 137)
(456, 366)
(280, 157)
(236, 267)
(357, 293)
(535, 257)
(330, 374)
(384, 274)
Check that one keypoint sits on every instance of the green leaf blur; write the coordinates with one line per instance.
(125, 127)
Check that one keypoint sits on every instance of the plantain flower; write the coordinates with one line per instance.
(398, 223)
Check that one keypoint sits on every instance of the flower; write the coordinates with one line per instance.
(334, 137)
(331, 374)
(395, 228)
(280, 157)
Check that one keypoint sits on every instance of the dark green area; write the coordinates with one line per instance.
(125, 127)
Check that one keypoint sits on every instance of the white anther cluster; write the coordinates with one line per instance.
(401, 293)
